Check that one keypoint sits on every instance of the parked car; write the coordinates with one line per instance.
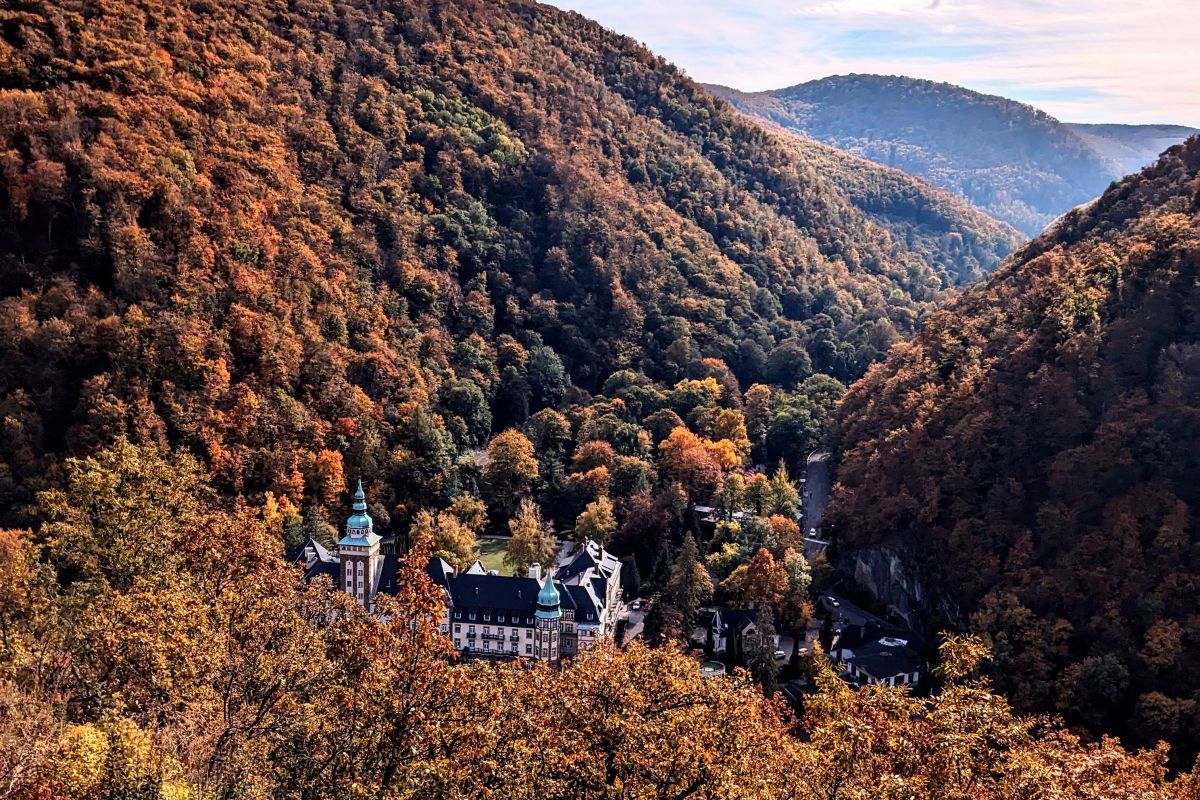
(779, 654)
(637, 605)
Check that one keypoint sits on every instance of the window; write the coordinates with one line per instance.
(528, 649)
(470, 629)
(458, 628)
(528, 633)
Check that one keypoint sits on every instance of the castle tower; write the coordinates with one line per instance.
(547, 621)
(358, 552)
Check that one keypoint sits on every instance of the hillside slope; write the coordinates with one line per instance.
(1013, 161)
(1034, 452)
(289, 238)
(1131, 147)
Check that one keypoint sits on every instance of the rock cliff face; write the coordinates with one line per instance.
(896, 585)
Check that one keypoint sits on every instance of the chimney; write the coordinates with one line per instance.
(535, 571)
(310, 556)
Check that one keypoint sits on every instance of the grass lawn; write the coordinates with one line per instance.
(491, 553)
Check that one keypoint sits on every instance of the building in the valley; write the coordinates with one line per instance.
(877, 654)
(501, 616)
(728, 630)
(487, 614)
(358, 564)
(546, 618)
(591, 577)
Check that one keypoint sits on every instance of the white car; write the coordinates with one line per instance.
(637, 605)
(779, 654)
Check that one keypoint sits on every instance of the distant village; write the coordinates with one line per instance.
(558, 610)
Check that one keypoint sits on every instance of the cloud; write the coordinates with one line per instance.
(1089, 62)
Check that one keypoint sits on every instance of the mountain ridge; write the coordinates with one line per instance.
(1019, 163)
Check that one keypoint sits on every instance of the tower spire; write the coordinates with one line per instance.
(360, 523)
(548, 601)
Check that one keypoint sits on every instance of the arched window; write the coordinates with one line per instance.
(348, 585)
(361, 582)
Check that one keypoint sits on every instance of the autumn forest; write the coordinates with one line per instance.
(528, 282)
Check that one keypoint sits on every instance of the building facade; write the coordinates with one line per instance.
(487, 615)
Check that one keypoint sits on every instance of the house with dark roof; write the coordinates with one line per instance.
(493, 615)
(728, 629)
(487, 615)
(877, 654)
(592, 577)
(502, 616)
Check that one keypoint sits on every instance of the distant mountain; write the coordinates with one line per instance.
(1032, 455)
(1013, 161)
(1131, 146)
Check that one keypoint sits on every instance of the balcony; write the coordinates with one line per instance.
(498, 637)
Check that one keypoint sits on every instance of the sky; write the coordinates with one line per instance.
(1102, 61)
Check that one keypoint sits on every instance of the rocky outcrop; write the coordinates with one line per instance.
(894, 583)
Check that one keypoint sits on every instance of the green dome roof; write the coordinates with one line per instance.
(360, 518)
(359, 525)
(547, 601)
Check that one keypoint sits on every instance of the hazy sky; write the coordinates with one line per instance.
(1136, 61)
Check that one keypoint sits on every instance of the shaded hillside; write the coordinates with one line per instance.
(1035, 451)
(1131, 147)
(1015, 162)
(353, 237)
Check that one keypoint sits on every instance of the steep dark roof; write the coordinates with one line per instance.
(737, 618)
(439, 571)
(854, 637)
(584, 603)
(578, 564)
(325, 564)
(494, 592)
(881, 661)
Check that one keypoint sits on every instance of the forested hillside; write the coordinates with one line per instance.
(359, 238)
(517, 274)
(1035, 451)
(1013, 161)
